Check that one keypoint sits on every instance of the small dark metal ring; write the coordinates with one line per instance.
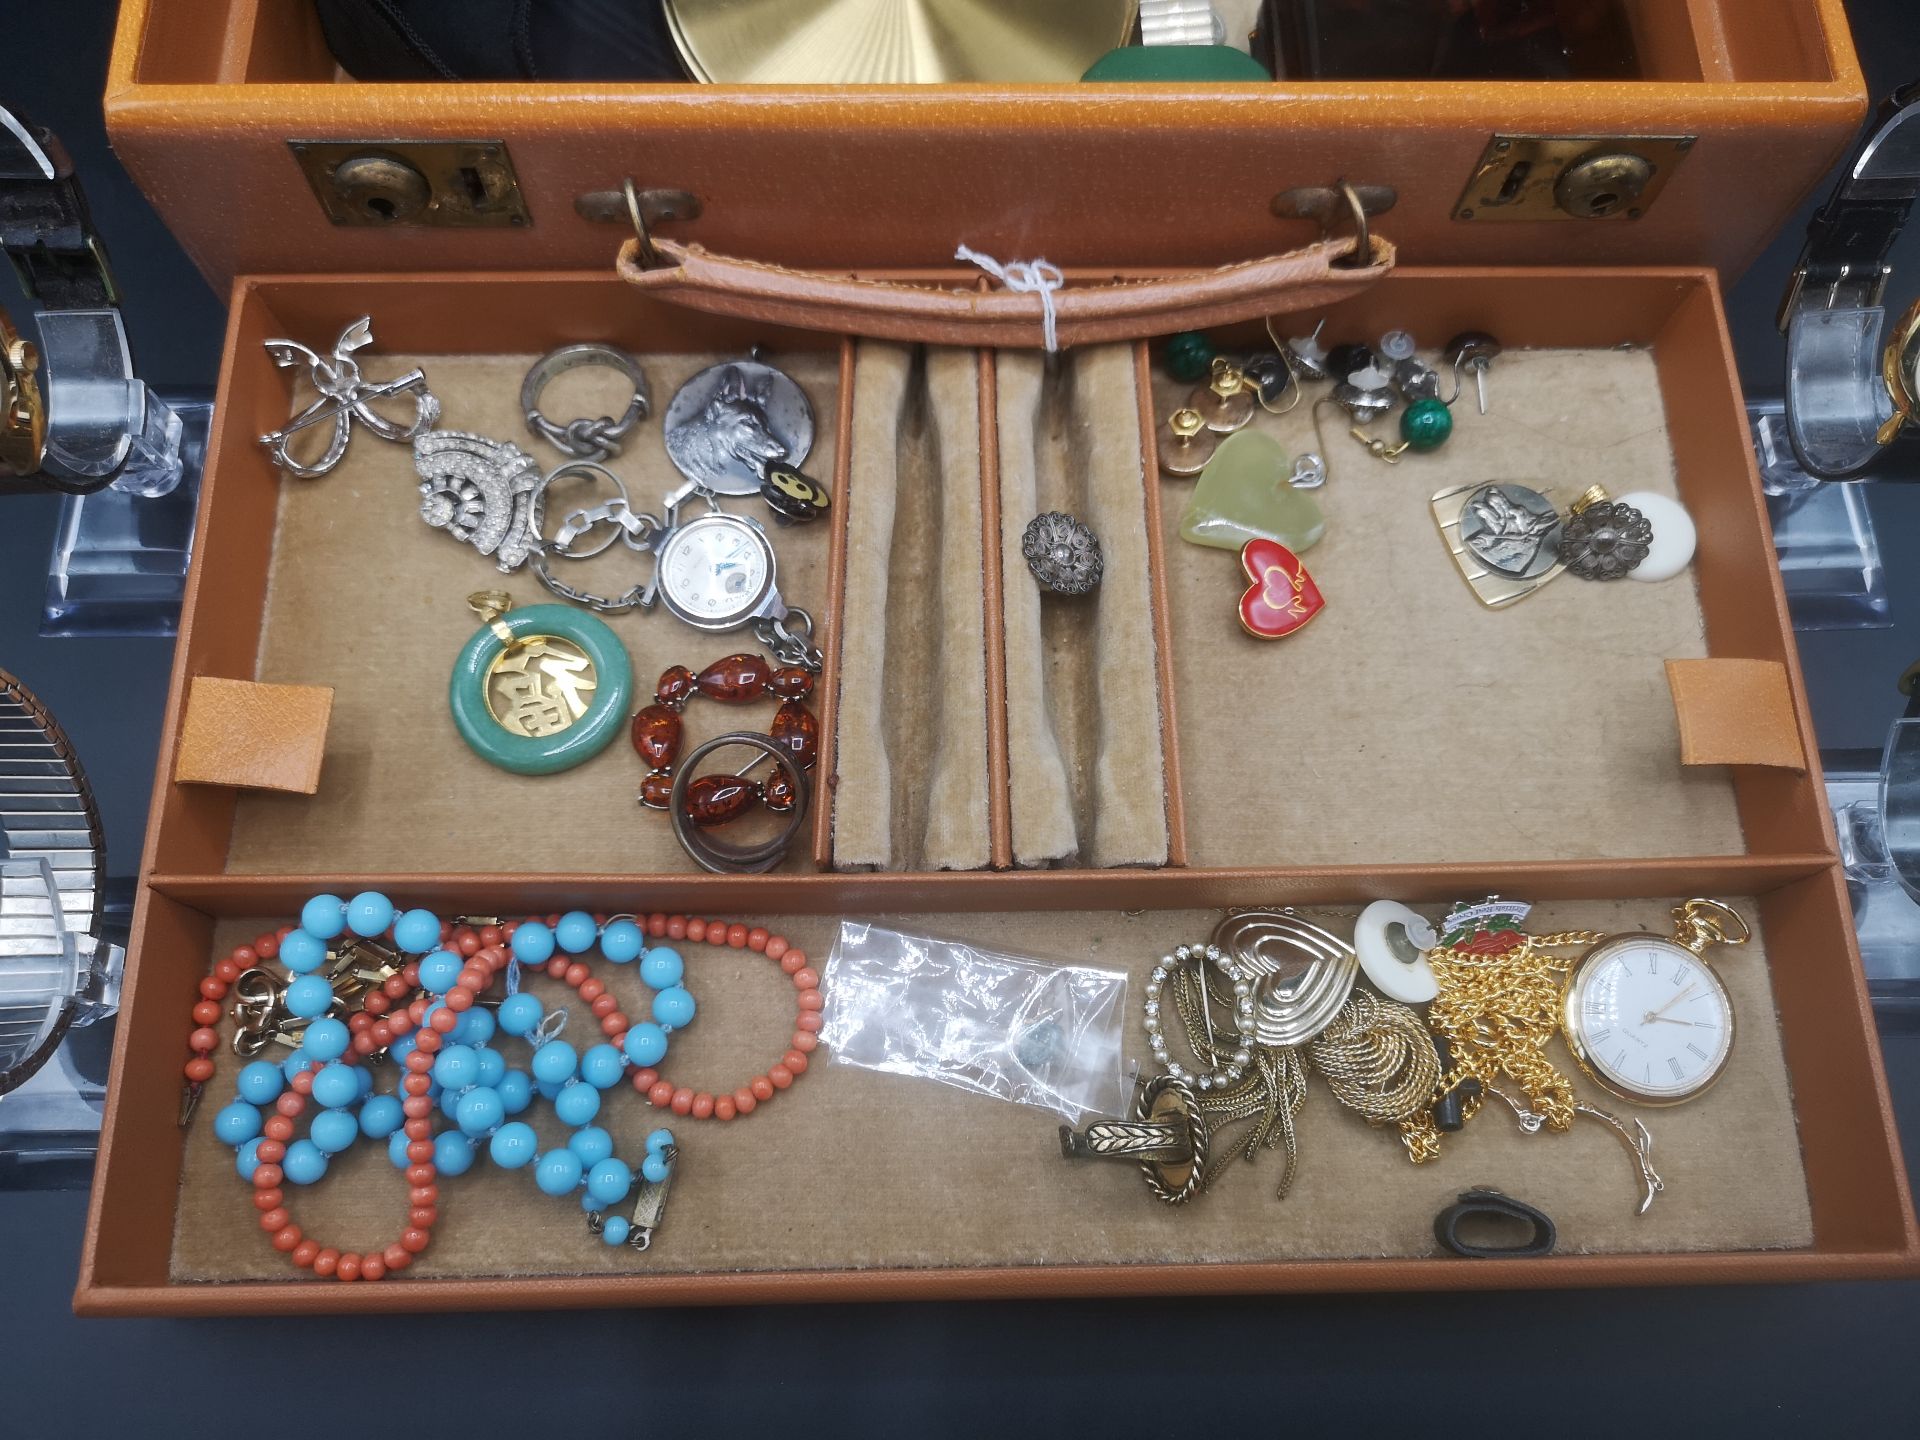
(1484, 1201)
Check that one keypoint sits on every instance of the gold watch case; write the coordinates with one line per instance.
(23, 415)
(1572, 1024)
(1900, 369)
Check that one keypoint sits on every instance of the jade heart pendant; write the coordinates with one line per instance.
(1243, 495)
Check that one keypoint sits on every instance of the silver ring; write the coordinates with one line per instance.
(585, 439)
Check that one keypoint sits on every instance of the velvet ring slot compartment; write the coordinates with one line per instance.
(1761, 835)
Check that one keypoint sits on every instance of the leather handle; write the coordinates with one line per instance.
(1305, 279)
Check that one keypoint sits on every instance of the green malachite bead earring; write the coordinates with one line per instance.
(539, 690)
(1426, 424)
(1189, 357)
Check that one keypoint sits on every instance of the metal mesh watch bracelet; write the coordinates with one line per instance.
(54, 972)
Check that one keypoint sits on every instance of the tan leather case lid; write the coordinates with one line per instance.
(203, 97)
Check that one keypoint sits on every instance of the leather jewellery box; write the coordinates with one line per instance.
(1092, 779)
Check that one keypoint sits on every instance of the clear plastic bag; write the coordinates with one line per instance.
(1024, 1030)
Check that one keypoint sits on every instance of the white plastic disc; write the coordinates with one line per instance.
(1674, 536)
(1392, 941)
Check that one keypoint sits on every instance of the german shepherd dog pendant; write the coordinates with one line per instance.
(733, 421)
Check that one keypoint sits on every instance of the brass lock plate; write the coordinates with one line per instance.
(1570, 177)
(453, 184)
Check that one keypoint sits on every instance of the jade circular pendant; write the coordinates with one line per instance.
(1426, 424)
(539, 690)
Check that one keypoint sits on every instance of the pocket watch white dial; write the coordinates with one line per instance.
(717, 572)
(1646, 1016)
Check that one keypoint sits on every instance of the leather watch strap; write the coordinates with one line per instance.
(1305, 279)
(1485, 1204)
(1841, 384)
(1849, 238)
(45, 226)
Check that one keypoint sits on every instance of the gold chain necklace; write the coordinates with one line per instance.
(1498, 1009)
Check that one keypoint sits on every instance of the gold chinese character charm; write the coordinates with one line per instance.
(541, 689)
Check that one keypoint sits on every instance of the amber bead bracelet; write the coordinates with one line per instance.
(734, 680)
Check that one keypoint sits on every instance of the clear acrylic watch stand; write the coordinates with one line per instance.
(1829, 555)
(50, 1125)
(1877, 814)
(120, 556)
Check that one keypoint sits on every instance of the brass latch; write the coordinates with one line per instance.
(1570, 177)
(456, 184)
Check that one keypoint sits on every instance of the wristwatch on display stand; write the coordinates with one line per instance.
(76, 415)
(58, 972)
(74, 418)
(1852, 388)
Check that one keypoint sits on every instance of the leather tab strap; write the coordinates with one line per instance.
(1483, 1204)
(1735, 712)
(1309, 278)
(252, 736)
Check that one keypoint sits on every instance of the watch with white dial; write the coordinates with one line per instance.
(1646, 1016)
(715, 572)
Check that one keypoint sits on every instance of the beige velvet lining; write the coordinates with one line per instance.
(1409, 724)
(1086, 770)
(911, 755)
(364, 597)
(942, 1178)
(1041, 798)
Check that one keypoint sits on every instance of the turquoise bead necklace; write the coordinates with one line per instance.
(474, 1088)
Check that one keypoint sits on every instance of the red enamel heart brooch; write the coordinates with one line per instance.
(1282, 597)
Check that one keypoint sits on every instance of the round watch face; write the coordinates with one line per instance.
(1649, 1019)
(716, 571)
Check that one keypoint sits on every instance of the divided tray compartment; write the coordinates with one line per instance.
(1089, 738)
(912, 782)
(1788, 1169)
(1409, 727)
(1408, 723)
(194, 891)
(336, 582)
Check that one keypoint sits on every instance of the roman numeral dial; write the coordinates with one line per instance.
(1648, 1019)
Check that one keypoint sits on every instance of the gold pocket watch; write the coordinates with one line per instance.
(1646, 1017)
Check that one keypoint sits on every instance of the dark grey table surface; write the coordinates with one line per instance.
(1661, 1361)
